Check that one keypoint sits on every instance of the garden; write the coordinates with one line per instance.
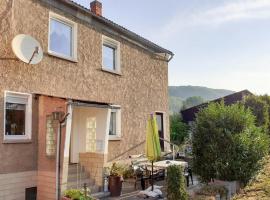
(230, 147)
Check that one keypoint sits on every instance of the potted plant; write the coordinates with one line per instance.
(116, 179)
(74, 194)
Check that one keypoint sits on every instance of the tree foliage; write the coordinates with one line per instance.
(260, 107)
(176, 183)
(192, 101)
(226, 143)
(178, 129)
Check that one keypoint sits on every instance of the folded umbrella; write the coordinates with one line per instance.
(153, 149)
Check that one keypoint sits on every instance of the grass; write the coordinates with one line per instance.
(259, 187)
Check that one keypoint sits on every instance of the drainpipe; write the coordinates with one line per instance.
(171, 57)
(57, 116)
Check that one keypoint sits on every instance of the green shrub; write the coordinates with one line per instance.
(75, 194)
(128, 172)
(117, 169)
(260, 108)
(176, 183)
(226, 143)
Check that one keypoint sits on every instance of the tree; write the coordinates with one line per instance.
(259, 106)
(178, 129)
(226, 143)
(192, 101)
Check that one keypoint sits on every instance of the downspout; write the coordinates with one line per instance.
(171, 57)
(58, 156)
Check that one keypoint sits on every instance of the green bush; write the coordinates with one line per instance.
(178, 129)
(117, 169)
(226, 143)
(260, 108)
(176, 183)
(75, 194)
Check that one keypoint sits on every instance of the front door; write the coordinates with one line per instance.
(159, 117)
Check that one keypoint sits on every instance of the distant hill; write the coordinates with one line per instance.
(189, 91)
(179, 94)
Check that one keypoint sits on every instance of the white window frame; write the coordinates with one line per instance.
(74, 28)
(28, 115)
(116, 45)
(117, 110)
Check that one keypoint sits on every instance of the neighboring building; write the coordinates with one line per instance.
(189, 114)
(105, 77)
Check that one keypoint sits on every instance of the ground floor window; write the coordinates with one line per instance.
(115, 123)
(18, 114)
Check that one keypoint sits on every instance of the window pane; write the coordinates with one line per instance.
(159, 121)
(15, 119)
(60, 38)
(112, 130)
(108, 57)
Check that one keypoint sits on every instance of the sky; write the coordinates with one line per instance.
(217, 43)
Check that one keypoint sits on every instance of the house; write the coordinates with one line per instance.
(86, 102)
(189, 115)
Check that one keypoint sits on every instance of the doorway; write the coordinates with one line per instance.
(89, 131)
(160, 123)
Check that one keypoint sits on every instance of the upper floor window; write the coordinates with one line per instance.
(18, 116)
(110, 55)
(62, 37)
(115, 124)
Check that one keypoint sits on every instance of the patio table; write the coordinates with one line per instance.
(166, 163)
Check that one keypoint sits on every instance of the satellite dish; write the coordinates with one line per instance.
(27, 49)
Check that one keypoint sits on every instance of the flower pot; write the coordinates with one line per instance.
(115, 185)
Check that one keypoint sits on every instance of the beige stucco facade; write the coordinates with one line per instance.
(140, 89)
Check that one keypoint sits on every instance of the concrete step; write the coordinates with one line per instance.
(75, 169)
(87, 180)
(99, 195)
(75, 176)
(73, 185)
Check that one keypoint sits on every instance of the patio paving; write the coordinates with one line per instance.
(131, 194)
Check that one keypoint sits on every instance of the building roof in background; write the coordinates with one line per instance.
(115, 27)
(190, 113)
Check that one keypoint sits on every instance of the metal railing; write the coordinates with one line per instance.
(172, 145)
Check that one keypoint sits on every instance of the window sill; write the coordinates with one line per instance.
(75, 60)
(111, 71)
(114, 138)
(17, 141)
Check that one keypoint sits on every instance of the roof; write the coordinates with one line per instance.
(189, 114)
(112, 25)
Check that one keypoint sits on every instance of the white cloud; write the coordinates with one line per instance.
(235, 11)
(228, 12)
